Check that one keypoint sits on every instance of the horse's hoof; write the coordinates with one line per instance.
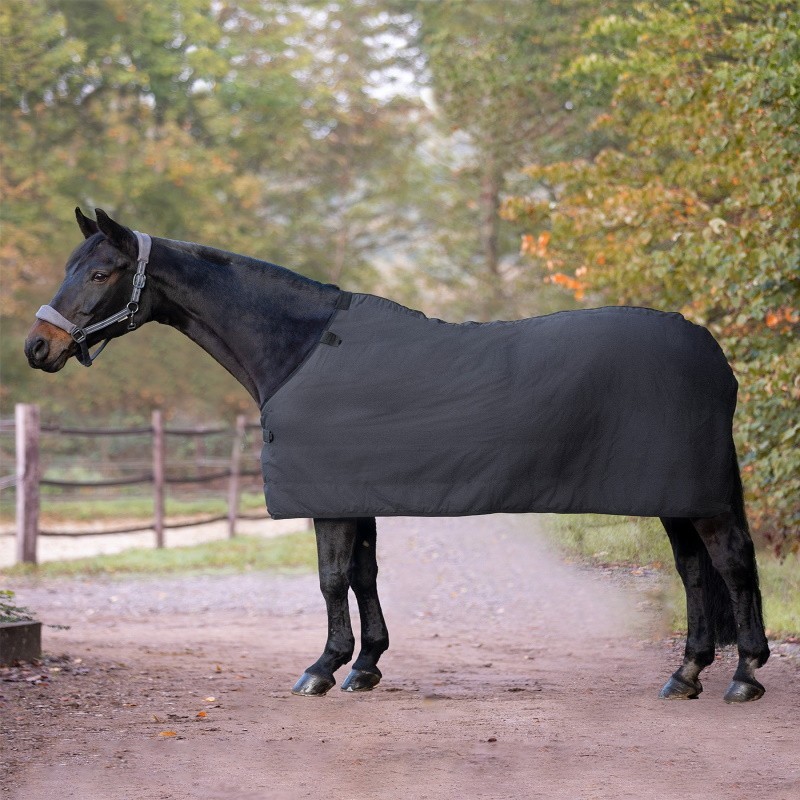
(743, 692)
(678, 689)
(360, 680)
(311, 685)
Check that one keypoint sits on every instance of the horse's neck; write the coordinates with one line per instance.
(255, 319)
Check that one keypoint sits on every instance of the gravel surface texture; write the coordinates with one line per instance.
(510, 675)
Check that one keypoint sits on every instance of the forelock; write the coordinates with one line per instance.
(84, 250)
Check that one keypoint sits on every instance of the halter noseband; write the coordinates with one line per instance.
(49, 314)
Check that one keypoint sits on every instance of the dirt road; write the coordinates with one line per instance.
(510, 675)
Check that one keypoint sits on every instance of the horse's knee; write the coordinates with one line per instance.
(333, 584)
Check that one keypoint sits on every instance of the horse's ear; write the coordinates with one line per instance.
(88, 226)
(121, 237)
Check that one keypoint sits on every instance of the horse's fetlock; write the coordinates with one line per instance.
(379, 645)
(702, 658)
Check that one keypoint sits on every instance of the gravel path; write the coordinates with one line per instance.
(510, 675)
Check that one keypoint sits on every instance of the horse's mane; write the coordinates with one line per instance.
(214, 256)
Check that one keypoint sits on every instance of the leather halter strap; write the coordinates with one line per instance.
(54, 317)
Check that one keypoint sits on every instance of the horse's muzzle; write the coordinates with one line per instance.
(48, 348)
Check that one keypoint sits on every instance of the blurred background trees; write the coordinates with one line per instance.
(474, 159)
(692, 204)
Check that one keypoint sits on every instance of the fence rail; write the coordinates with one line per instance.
(28, 478)
(143, 528)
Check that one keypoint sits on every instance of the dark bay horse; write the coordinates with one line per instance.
(263, 323)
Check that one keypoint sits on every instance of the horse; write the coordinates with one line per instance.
(411, 422)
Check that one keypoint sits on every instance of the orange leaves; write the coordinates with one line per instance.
(577, 287)
(535, 246)
(564, 280)
(784, 318)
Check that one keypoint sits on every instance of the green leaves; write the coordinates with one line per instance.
(693, 205)
(248, 125)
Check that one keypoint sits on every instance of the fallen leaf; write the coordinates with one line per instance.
(209, 699)
(167, 734)
(202, 714)
(218, 668)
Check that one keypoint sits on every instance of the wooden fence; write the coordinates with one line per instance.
(29, 475)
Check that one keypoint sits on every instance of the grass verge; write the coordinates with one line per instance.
(633, 541)
(296, 551)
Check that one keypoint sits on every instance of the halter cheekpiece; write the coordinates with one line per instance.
(80, 335)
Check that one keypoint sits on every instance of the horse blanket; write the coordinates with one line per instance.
(612, 410)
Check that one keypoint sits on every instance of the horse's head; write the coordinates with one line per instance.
(98, 284)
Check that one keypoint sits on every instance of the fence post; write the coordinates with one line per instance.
(158, 476)
(236, 464)
(28, 473)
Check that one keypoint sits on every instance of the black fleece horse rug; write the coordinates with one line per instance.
(611, 410)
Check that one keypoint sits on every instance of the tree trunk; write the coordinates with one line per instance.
(491, 181)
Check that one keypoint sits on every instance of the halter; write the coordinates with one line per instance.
(49, 314)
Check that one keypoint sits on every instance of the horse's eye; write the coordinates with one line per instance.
(99, 277)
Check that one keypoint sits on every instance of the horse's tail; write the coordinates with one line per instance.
(686, 543)
(722, 607)
(737, 498)
(719, 600)
(740, 516)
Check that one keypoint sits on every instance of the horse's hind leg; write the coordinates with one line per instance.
(363, 574)
(731, 549)
(335, 539)
(694, 567)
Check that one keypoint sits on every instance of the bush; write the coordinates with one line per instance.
(691, 204)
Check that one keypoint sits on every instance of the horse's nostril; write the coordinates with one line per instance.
(40, 349)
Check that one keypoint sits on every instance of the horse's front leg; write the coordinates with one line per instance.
(363, 575)
(335, 539)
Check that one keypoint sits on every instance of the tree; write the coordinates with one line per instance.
(341, 193)
(492, 70)
(693, 205)
(253, 125)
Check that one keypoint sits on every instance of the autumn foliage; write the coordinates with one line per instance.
(691, 203)
(654, 161)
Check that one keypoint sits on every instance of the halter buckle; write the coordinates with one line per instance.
(79, 335)
(132, 307)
